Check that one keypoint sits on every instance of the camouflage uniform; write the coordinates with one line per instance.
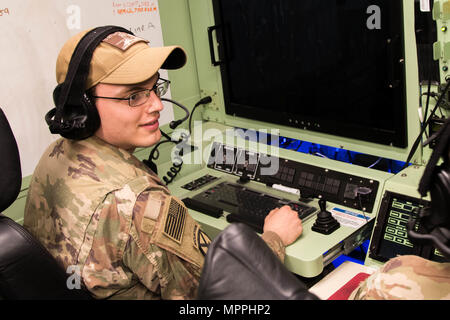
(406, 278)
(98, 208)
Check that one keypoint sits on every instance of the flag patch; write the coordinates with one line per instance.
(175, 221)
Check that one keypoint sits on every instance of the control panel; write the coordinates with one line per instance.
(198, 183)
(312, 181)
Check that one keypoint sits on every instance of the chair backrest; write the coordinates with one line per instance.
(27, 269)
(240, 266)
(11, 177)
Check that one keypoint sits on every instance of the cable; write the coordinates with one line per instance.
(361, 206)
(375, 163)
(424, 127)
(154, 154)
(165, 135)
(320, 155)
(440, 109)
(176, 123)
(428, 100)
(204, 100)
(176, 166)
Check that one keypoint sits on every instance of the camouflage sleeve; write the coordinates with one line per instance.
(167, 268)
(163, 274)
(406, 278)
(273, 240)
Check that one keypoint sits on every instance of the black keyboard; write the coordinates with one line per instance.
(246, 205)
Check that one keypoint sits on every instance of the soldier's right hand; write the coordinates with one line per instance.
(285, 222)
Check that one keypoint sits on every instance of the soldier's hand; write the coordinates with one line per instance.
(285, 222)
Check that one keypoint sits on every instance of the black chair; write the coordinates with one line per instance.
(240, 266)
(27, 269)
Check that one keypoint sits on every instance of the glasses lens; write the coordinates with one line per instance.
(139, 98)
(161, 88)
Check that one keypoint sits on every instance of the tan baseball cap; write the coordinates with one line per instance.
(121, 58)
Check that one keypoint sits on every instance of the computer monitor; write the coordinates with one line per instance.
(327, 66)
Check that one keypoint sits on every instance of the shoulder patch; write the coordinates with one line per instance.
(175, 221)
(195, 236)
(177, 232)
(152, 211)
(203, 242)
(152, 208)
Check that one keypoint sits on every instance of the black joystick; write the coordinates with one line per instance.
(325, 222)
(244, 178)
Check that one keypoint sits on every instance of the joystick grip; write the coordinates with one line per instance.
(322, 205)
(325, 222)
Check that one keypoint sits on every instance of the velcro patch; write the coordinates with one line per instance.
(175, 221)
(152, 208)
(122, 40)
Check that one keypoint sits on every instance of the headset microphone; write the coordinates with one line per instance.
(175, 123)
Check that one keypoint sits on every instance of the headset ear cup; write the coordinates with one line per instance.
(92, 122)
(83, 122)
(78, 122)
(56, 93)
(55, 128)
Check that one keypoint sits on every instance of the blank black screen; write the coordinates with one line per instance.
(333, 66)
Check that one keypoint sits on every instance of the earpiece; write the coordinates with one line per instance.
(78, 121)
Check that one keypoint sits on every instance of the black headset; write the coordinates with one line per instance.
(75, 115)
(431, 226)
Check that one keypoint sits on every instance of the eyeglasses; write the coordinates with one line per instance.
(141, 97)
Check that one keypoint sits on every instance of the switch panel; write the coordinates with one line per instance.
(312, 181)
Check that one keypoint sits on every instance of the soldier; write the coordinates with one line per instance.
(97, 208)
(406, 278)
